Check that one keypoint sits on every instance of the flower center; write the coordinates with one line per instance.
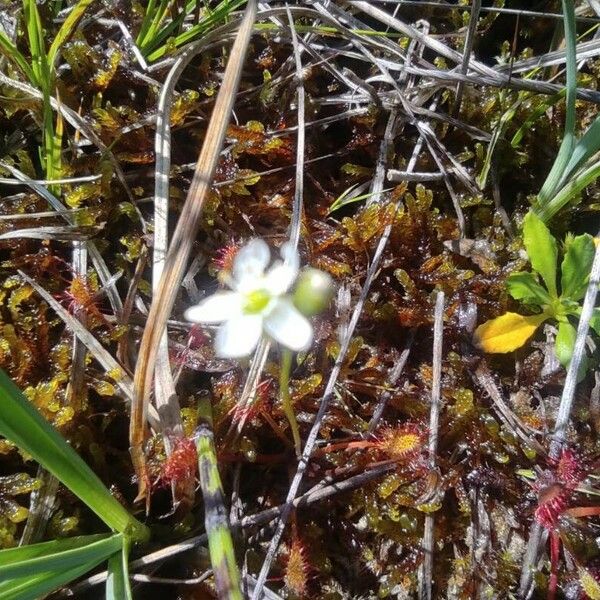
(255, 302)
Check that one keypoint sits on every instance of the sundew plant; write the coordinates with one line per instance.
(299, 300)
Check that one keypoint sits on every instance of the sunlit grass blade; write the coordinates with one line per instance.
(66, 30)
(534, 116)
(157, 19)
(220, 543)
(566, 148)
(13, 555)
(346, 198)
(117, 582)
(33, 587)
(35, 34)
(569, 192)
(499, 129)
(217, 15)
(21, 423)
(12, 53)
(95, 551)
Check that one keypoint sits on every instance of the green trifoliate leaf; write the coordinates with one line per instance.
(542, 250)
(524, 287)
(576, 266)
(564, 343)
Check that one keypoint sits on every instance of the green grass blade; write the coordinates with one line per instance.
(146, 22)
(497, 134)
(218, 15)
(37, 48)
(12, 53)
(95, 551)
(586, 147)
(534, 116)
(117, 582)
(568, 192)
(566, 148)
(21, 423)
(14, 555)
(158, 18)
(33, 587)
(220, 543)
(66, 30)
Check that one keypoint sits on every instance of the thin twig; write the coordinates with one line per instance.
(469, 41)
(427, 545)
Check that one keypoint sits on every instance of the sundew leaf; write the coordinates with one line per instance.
(507, 332)
(565, 342)
(524, 287)
(542, 250)
(576, 266)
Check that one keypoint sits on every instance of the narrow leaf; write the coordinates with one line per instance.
(38, 585)
(117, 582)
(95, 551)
(542, 250)
(507, 332)
(524, 287)
(21, 423)
(565, 152)
(67, 29)
(21, 553)
(576, 266)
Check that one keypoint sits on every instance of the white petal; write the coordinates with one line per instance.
(238, 336)
(280, 278)
(286, 325)
(216, 308)
(251, 261)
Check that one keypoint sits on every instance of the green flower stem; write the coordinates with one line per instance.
(286, 399)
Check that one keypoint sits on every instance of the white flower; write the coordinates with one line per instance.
(257, 303)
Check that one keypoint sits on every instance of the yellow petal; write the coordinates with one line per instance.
(507, 332)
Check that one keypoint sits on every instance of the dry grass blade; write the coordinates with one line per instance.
(60, 233)
(181, 245)
(99, 263)
(426, 570)
(469, 41)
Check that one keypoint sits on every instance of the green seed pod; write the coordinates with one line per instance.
(313, 293)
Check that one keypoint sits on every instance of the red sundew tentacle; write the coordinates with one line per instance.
(554, 557)
(181, 464)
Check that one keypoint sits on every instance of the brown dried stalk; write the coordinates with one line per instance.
(181, 246)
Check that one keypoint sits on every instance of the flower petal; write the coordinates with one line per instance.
(280, 278)
(216, 308)
(250, 262)
(238, 336)
(286, 325)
